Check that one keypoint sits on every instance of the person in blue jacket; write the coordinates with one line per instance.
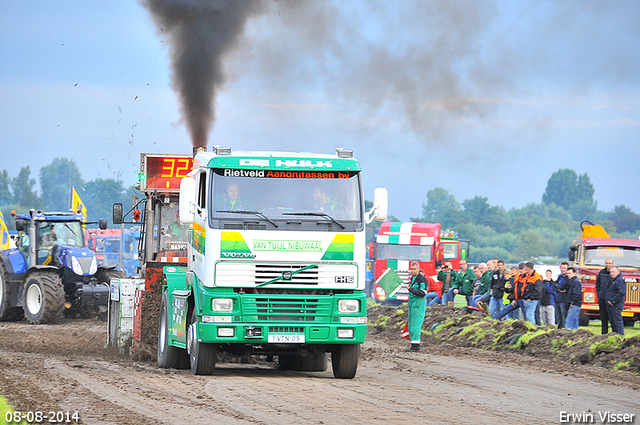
(615, 300)
(574, 299)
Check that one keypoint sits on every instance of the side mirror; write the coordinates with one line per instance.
(117, 213)
(187, 205)
(572, 253)
(20, 225)
(380, 205)
(102, 223)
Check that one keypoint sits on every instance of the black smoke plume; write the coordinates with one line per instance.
(200, 33)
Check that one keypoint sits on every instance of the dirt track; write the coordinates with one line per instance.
(65, 367)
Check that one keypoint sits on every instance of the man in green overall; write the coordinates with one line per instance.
(417, 289)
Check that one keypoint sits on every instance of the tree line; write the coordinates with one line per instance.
(542, 230)
(537, 230)
(56, 180)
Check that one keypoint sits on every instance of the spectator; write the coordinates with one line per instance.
(510, 285)
(547, 305)
(496, 288)
(561, 287)
(514, 289)
(447, 275)
(417, 290)
(531, 292)
(463, 285)
(574, 299)
(477, 281)
(615, 297)
(434, 292)
(602, 285)
(481, 293)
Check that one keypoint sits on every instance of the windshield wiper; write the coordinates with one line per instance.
(316, 214)
(67, 226)
(258, 213)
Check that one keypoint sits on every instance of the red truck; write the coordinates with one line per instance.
(588, 255)
(396, 245)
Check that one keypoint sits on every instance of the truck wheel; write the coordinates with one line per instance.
(583, 319)
(168, 355)
(202, 356)
(6, 311)
(43, 298)
(344, 360)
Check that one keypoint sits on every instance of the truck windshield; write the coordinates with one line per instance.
(404, 252)
(621, 256)
(278, 194)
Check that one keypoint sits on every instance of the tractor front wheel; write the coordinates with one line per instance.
(43, 298)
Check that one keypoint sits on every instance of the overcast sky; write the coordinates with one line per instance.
(481, 98)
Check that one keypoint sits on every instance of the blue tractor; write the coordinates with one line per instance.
(50, 273)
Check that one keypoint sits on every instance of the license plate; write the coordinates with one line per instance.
(627, 313)
(286, 339)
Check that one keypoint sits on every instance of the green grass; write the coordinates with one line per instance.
(622, 365)
(613, 341)
(4, 408)
(595, 328)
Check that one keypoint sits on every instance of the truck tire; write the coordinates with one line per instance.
(6, 311)
(344, 360)
(43, 298)
(583, 319)
(317, 363)
(168, 355)
(202, 356)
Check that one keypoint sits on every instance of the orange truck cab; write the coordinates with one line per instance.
(588, 255)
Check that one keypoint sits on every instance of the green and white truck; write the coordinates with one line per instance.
(276, 262)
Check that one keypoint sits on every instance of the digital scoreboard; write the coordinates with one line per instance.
(163, 172)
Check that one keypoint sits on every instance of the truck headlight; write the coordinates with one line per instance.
(348, 306)
(222, 304)
(589, 297)
(76, 267)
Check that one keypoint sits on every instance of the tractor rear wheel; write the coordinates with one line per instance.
(344, 360)
(168, 355)
(6, 311)
(202, 356)
(43, 298)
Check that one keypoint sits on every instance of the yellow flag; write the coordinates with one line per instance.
(77, 205)
(4, 234)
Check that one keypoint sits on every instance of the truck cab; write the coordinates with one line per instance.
(588, 255)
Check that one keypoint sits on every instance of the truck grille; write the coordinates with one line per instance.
(633, 295)
(267, 272)
(289, 309)
(321, 276)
